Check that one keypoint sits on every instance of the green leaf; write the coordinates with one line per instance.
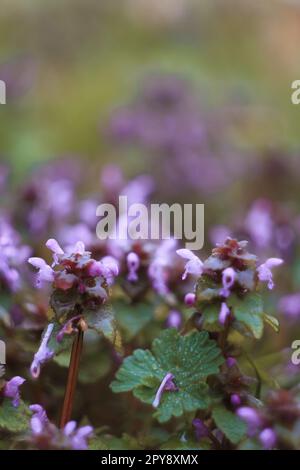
(14, 419)
(191, 359)
(211, 317)
(249, 311)
(132, 318)
(103, 322)
(230, 424)
(272, 321)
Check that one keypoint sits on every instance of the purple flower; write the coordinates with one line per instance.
(11, 389)
(194, 265)
(230, 361)
(53, 245)
(265, 273)
(12, 256)
(174, 319)
(251, 417)
(133, 264)
(268, 438)
(77, 437)
(166, 384)
(228, 278)
(201, 430)
(43, 354)
(224, 313)
(259, 223)
(46, 435)
(39, 419)
(290, 305)
(235, 399)
(190, 299)
(45, 272)
(159, 268)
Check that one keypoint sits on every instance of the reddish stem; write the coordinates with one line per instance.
(72, 379)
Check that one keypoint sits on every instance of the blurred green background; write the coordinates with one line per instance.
(85, 57)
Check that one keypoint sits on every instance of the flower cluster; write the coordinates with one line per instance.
(45, 435)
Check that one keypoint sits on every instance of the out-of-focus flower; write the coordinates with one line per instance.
(290, 305)
(160, 266)
(11, 389)
(235, 399)
(268, 438)
(194, 265)
(174, 319)
(133, 264)
(201, 430)
(167, 384)
(265, 273)
(43, 354)
(45, 435)
(251, 417)
(259, 223)
(190, 299)
(230, 361)
(12, 256)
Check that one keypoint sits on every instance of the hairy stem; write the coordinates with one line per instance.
(72, 379)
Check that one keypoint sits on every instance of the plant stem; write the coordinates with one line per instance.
(72, 378)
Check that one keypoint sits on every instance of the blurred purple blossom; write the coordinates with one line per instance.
(290, 305)
(11, 389)
(45, 435)
(265, 273)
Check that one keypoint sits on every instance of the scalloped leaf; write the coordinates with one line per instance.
(191, 359)
(14, 419)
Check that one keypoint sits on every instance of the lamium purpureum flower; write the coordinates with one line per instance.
(45, 435)
(190, 299)
(133, 264)
(201, 430)
(228, 279)
(268, 438)
(76, 269)
(224, 313)
(251, 417)
(265, 273)
(11, 389)
(194, 265)
(174, 319)
(43, 354)
(167, 384)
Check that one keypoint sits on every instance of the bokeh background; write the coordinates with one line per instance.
(72, 62)
(196, 94)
